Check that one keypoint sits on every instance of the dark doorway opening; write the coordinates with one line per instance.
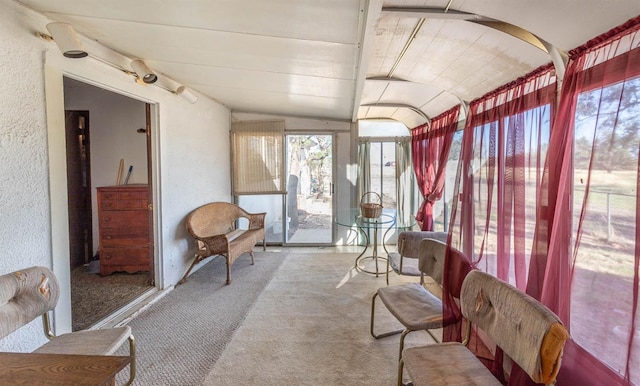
(79, 187)
(101, 125)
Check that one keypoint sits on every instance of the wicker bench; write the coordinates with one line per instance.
(214, 226)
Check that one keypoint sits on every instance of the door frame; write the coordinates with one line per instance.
(54, 73)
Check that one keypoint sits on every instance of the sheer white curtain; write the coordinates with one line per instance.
(364, 168)
(405, 186)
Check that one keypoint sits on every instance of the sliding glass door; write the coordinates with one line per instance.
(309, 199)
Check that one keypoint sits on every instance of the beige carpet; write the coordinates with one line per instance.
(310, 326)
(180, 337)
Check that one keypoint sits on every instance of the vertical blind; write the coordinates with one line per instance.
(258, 157)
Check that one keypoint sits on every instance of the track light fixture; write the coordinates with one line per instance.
(187, 94)
(67, 40)
(143, 71)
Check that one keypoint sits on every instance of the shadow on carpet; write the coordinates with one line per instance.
(180, 337)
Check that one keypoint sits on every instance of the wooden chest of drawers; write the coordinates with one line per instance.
(123, 221)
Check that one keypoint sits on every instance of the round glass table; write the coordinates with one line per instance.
(387, 221)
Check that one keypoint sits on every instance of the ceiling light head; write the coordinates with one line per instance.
(67, 40)
(143, 71)
(187, 94)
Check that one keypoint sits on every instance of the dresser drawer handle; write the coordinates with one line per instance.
(108, 237)
(107, 256)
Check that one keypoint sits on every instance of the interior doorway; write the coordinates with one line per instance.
(104, 132)
(310, 189)
(79, 187)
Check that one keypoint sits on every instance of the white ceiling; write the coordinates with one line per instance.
(339, 59)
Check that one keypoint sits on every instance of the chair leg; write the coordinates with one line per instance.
(373, 311)
(228, 269)
(388, 258)
(264, 244)
(432, 336)
(195, 261)
(404, 335)
(400, 368)
(132, 354)
(253, 261)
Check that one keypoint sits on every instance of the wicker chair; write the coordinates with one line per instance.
(33, 292)
(214, 226)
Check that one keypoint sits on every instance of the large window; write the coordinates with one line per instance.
(442, 207)
(384, 164)
(607, 122)
(549, 200)
(507, 169)
(383, 172)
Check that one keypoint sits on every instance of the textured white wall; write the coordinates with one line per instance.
(191, 154)
(24, 190)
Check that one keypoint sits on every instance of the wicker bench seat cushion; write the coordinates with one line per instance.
(446, 364)
(413, 306)
(90, 342)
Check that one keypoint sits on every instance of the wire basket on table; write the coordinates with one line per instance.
(370, 209)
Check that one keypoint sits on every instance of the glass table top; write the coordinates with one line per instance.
(389, 217)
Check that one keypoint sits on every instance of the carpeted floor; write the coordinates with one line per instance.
(180, 337)
(311, 327)
(291, 319)
(93, 297)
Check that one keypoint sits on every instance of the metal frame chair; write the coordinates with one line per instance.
(527, 331)
(412, 304)
(33, 292)
(404, 261)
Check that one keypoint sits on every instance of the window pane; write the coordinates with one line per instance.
(506, 181)
(442, 208)
(607, 139)
(389, 199)
(535, 136)
(375, 164)
(272, 204)
(382, 129)
(484, 207)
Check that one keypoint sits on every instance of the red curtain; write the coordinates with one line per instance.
(503, 150)
(430, 147)
(585, 267)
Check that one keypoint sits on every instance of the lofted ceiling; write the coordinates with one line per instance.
(407, 60)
